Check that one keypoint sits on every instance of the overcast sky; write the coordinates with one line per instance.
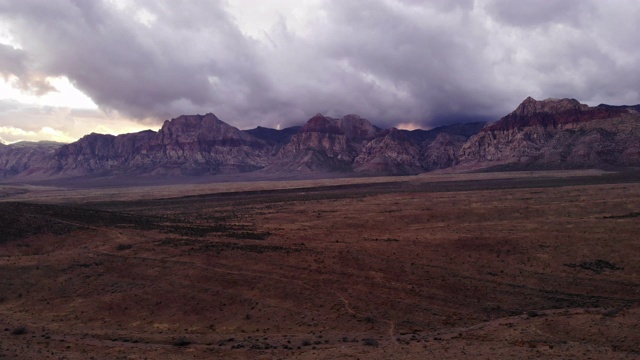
(71, 67)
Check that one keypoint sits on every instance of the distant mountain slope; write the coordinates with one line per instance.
(325, 144)
(44, 143)
(187, 145)
(548, 134)
(558, 133)
(24, 157)
(393, 152)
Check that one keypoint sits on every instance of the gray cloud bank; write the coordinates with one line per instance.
(390, 61)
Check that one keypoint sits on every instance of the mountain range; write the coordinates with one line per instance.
(547, 134)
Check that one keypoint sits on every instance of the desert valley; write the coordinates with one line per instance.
(511, 239)
(318, 179)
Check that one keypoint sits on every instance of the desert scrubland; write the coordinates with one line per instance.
(509, 265)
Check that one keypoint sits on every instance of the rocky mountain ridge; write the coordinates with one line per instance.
(558, 134)
(552, 133)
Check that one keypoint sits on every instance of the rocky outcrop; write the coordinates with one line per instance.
(392, 153)
(198, 144)
(25, 157)
(558, 133)
(325, 143)
(187, 145)
(442, 152)
(353, 144)
(99, 154)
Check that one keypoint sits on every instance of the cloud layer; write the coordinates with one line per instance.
(392, 61)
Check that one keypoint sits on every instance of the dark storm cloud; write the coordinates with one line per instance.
(391, 61)
(124, 65)
(435, 62)
(14, 67)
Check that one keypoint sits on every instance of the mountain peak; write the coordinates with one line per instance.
(193, 128)
(532, 106)
(193, 120)
(322, 124)
(552, 113)
(355, 127)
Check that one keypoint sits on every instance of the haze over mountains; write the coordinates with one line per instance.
(548, 134)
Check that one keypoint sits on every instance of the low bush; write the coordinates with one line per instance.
(370, 342)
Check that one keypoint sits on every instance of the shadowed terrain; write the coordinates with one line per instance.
(466, 266)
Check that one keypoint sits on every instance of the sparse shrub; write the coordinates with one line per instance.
(20, 330)
(122, 247)
(248, 235)
(370, 342)
(182, 342)
(612, 312)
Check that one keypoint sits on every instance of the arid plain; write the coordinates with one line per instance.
(489, 265)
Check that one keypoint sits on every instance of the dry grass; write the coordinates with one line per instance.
(409, 269)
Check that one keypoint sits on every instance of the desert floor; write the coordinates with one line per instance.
(505, 265)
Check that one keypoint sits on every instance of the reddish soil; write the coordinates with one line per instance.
(399, 270)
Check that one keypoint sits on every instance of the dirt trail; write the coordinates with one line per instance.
(514, 320)
(345, 302)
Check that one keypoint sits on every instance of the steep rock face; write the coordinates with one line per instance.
(551, 113)
(204, 144)
(25, 157)
(316, 151)
(198, 130)
(96, 154)
(322, 124)
(557, 134)
(187, 145)
(402, 152)
(393, 153)
(442, 152)
(355, 127)
(325, 143)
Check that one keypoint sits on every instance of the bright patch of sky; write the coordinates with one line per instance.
(259, 18)
(64, 95)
